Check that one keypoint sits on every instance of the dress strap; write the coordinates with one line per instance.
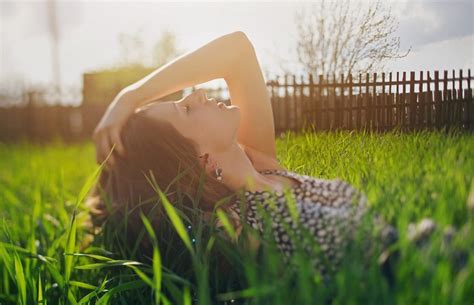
(280, 172)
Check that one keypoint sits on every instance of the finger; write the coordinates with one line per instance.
(104, 148)
(118, 143)
(110, 153)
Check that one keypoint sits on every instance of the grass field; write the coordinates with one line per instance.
(406, 177)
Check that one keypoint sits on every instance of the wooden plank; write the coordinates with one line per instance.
(312, 102)
(397, 102)
(445, 98)
(429, 101)
(438, 100)
(412, 111)
(302, 109)
(332, 104)
(287, 105)
(404, 112)
(383, 104)
(319, 103)
(390, 103)
(375, 103)
(420, 118)
(351, 102)
(294, 104)
(274, 108)
(339, 105)
(359, 104)
(367, 103)
(453, 99)
(469, 106)
(460, 102)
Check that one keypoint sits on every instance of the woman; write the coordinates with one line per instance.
(234, 145)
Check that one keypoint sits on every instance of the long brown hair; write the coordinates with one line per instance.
(154, 150)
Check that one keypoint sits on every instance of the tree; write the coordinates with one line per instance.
(133, 52)
(346, 37)
(131, 49)
(165, 49)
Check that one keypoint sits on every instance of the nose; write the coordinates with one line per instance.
(201, 95)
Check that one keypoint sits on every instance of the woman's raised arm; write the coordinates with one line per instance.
(216, 59)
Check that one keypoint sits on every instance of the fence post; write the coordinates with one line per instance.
(383, 105)
(469, 100)
(428, 100)
(351, 102)
(437, 98)
(412, 106)
(303, 102)
(390, 103)
(287, 105)
(319, 103)
(359, 104)
(421, 103)
(445, 98)
(312, 102)
(460, 102)
(375, 104)
(453, 99)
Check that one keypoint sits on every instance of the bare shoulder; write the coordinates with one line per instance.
(260, 160)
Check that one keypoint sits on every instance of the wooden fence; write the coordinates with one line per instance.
(375, 102)
(378, 102)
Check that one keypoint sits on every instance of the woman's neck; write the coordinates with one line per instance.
(238, 171)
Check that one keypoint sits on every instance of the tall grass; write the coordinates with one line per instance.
(46, 256)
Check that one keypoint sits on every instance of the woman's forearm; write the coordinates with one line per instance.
(215, 59)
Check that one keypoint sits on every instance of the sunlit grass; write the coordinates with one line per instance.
(45, 256)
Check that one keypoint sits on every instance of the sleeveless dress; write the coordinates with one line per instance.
(331, 210)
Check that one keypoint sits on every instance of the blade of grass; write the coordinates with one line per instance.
(70, 247)
(111, 263)
(82, 285)
(173, 215)
(226, 223)
(156, 259)
(124, 287)
(20, 279)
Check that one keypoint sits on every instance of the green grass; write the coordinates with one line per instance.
(44, 257)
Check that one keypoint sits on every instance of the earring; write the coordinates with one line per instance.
(219, 174)
(218, 171)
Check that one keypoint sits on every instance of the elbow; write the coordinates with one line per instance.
(243, 43)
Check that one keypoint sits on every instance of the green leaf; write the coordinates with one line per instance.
(124, 287)
(141, 275)
(40, 291)
(20, 279)
(70, 246)
(186, 296)
(82, 285)
(111, 263)
(173, 215)
(227, 225)
(157, 274)
(156, 259)
(91, 180)
(176, 221)
(95, 256)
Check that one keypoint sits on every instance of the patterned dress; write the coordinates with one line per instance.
(330, 210)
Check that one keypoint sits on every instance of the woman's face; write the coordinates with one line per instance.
(212, 126)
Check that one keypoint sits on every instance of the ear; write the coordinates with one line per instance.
(207, 162)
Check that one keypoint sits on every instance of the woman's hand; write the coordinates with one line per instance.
(107, 132)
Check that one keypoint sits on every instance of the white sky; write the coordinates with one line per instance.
(441, 33)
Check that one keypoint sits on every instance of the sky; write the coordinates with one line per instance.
(440, 34)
